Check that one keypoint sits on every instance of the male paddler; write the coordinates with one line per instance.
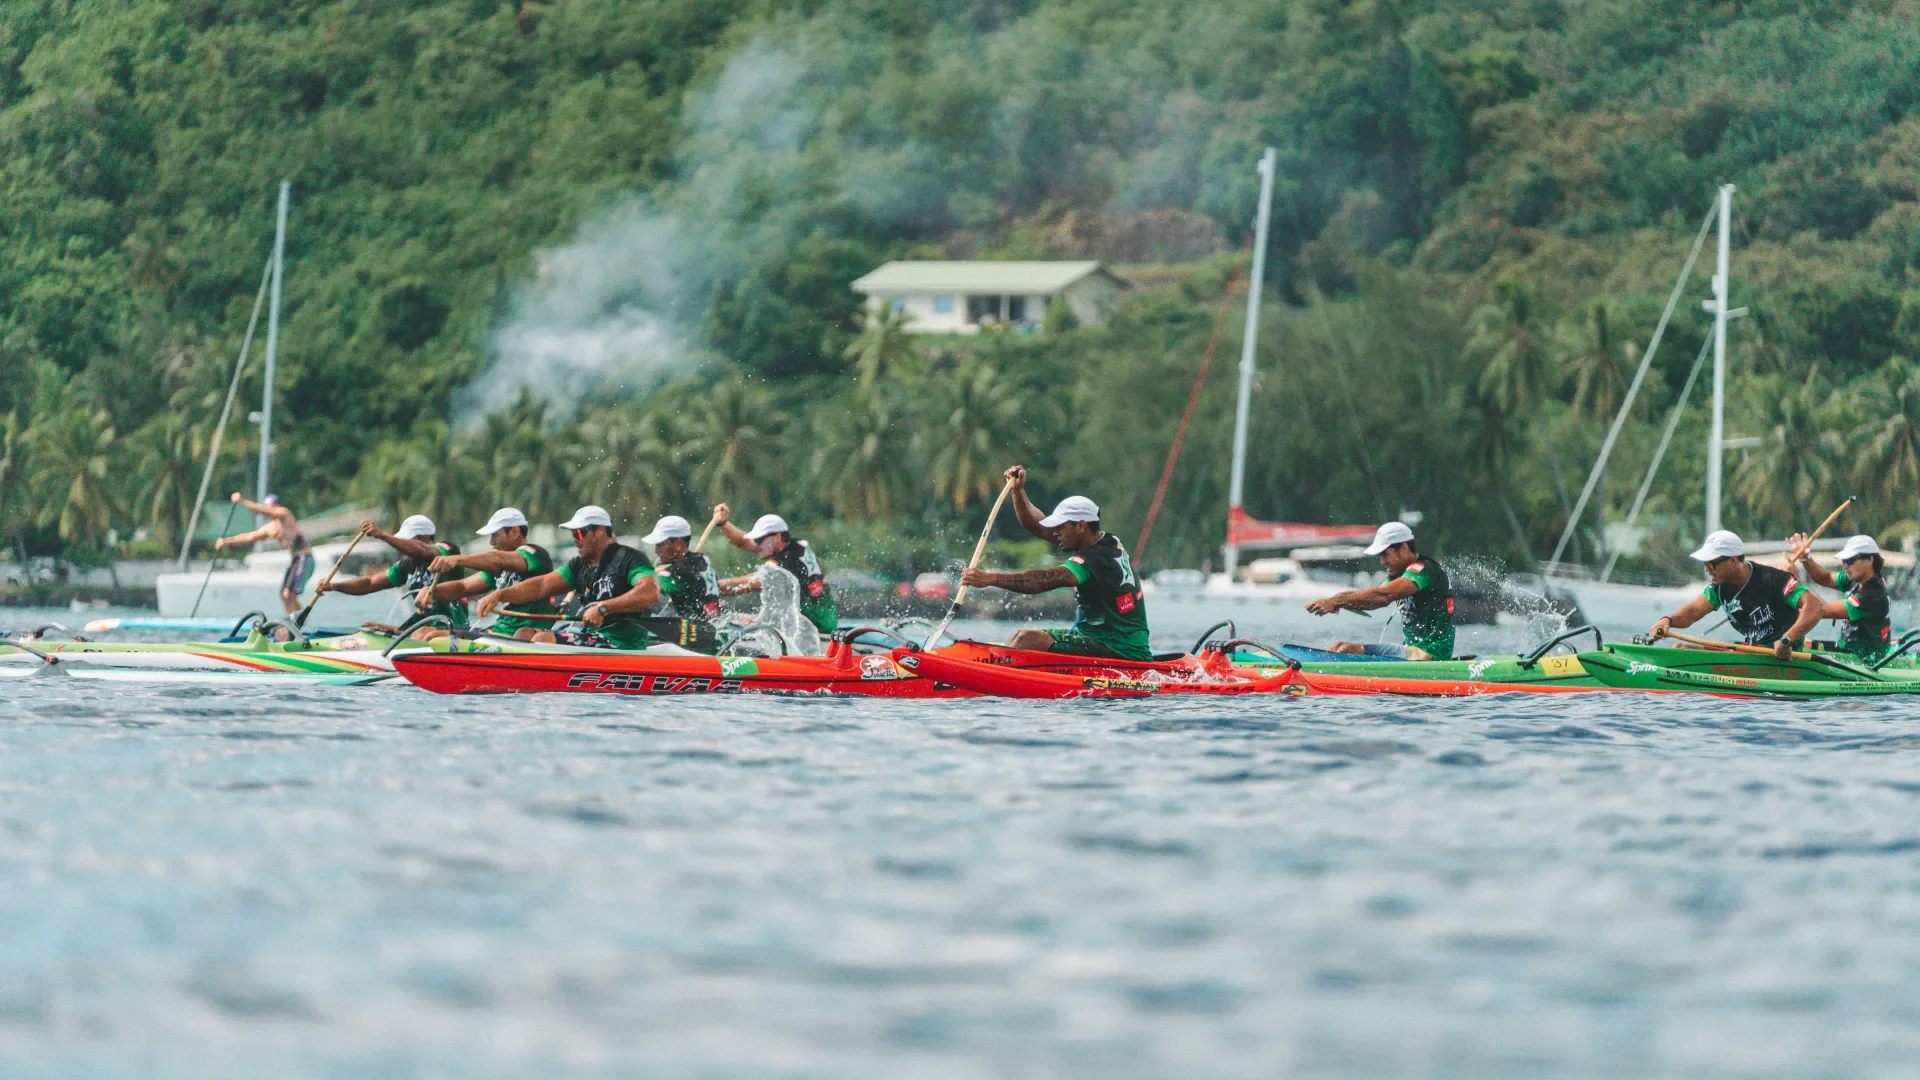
(1866, 628)
(1418, 582)
(616, 584)
(512, 559)
(687, 585)
(1111, 620)
(280, 525)
(1767, 606)
(413, 571)
(773, 541)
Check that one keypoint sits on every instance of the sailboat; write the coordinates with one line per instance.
(190, 593)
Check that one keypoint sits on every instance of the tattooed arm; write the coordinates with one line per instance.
(1042, 580)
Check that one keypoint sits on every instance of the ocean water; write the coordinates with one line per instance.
(377, 882)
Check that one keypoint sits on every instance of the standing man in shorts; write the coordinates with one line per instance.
(281, 526)
(1111, 620)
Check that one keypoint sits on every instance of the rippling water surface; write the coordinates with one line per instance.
(379, 882)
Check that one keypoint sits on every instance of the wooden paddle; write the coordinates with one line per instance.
(979, 552)
(510, 613)
(704, 533)
(319, 590)
(1801, 552)
(1732, 646)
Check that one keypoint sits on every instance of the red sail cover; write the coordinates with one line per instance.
(1243, 531)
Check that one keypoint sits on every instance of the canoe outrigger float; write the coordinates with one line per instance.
(1655, 669)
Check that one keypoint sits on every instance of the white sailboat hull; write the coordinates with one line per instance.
(256, 587)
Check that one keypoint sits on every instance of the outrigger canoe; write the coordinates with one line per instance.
(854, 664)
(344, 660)
(1656, 669)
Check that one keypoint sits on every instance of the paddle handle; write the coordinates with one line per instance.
(1801, 552)
(1731, 646)
(704, 533)
(319, 590)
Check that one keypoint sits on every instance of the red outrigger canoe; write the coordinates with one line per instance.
(843, 670)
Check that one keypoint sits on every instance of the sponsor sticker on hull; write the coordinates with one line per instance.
(620, 682)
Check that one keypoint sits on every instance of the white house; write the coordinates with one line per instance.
(964, 297)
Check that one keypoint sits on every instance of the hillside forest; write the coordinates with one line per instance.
(547, 252)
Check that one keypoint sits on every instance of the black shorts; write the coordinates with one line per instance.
(694, 635)
(1075, 643)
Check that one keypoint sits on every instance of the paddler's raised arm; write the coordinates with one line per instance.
(1043, 579)
(1812, 570)
(493, 562)
(1023, 508)
(723, 517)
(412, 549)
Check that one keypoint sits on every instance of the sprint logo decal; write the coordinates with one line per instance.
(651, 684)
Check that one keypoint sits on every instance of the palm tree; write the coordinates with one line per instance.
(1795, 464)
(14, 472)
(628, 460)
(1505, 337)
(1593, 358)
(73, 470)
(426, 474)
(865, 460)
(884, 350)
(730, 442)
(973, 429)
(1889, 440)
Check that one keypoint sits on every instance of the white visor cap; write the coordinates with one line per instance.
(671, 527)
(1857, 546)
(415, 527)
(1720, 545)
(587, 516)
(1393, 532)
(504, 518)
(1071, 508)
(767, 526)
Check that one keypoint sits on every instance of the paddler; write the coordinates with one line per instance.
(773, 541)
(1420, 585)
(616, 584)
(282, 526)
(419, 546)
(1111, 618)
(512, 559)
(1766, 606)
(687, 586)
(1866, 628)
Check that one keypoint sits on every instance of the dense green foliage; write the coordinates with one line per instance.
(1482, 204)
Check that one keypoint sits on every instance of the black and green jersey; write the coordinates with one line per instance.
(536, 561)
(1869, 630)
(411, 575)
(1112, 612)
(816, 596)
(689, 588)
(620, 568)
(1426, 617)
(1765, 607)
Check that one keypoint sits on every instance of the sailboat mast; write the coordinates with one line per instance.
(273, 339)
(1236, 483)
(1717, 437)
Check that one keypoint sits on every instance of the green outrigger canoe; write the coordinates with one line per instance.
(1660, 669)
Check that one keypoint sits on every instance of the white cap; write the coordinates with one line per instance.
(588, 515)
(1857, 546)
(1071, 508)
(1720, 545)
(1393, 532)
(416, 526)
(504, 518)
(767, 526)
(670, 527)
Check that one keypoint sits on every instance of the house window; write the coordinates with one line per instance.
(899, 304)
(943, 305)
(986, 308)
(1016, 309)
